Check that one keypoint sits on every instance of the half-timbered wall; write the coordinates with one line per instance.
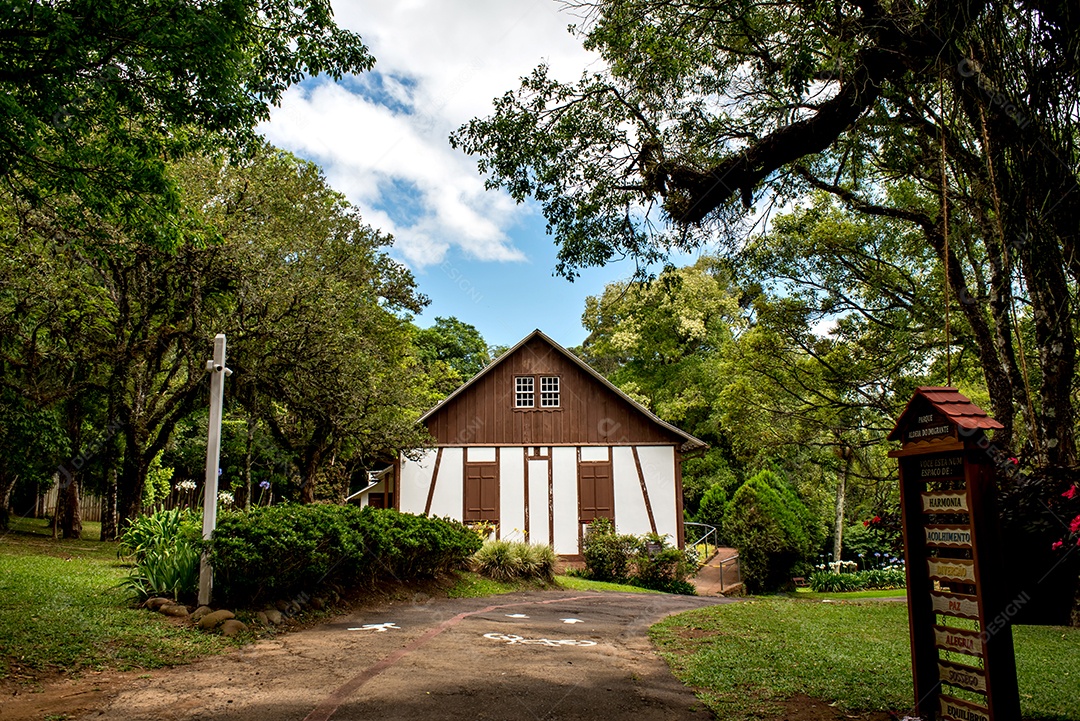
(540, 489)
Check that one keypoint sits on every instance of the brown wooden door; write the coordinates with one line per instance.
(596, 492)
(481, 492)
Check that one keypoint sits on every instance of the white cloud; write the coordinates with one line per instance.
(382, 140)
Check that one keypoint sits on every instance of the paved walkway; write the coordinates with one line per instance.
(709, 581)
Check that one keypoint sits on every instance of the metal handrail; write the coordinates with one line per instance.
(730, 559)
(706, 532)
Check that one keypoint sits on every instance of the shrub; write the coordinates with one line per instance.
(772, 529)
(665, 570)
(621, 558)
(289, 548)
(507, 560)
(607, 554)
(165, 546)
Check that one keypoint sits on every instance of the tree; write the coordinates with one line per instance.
(451, 352)
(100, 94)
(923, 113)
(771, 528)
(317, 317)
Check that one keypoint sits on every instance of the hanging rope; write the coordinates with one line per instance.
(945, 231)
(1008, 273)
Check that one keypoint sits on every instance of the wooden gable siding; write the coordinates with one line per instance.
(589, 413)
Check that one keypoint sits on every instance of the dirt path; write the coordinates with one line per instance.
(563, 655)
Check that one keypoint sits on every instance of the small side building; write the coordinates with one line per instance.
(539, 444)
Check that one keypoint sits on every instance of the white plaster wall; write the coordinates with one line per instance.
(415, 478)
(538, 502)
(594, 453)
(631, 515)
(481, 455)
(564, 491)
(658, 466)
(512, 494)
(449, 495)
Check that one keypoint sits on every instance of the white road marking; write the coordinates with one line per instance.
(516, 615)
(512, 640)
(377, 627)
(571, 620)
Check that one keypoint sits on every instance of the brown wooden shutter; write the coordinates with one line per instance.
(596, 491)
(481, 492)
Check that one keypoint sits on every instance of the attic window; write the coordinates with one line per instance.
(524, 392)
(549, 391)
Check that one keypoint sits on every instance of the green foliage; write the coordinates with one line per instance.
(165, 546)
(509, 560)
(139, 82)
(666, 569)
(772, 529)
(711, 510)
(828, 582)
(451, 352)
(622, 558)
(288, 548)
(607, 554)
(158, 482)
(874, 543)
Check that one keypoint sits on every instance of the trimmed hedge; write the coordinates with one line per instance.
(282, 550)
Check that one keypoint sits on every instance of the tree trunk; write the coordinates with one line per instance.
(71, 518)
(7, 483)
(841, 498)
(130, 487)
(249, 443)
(109, 525)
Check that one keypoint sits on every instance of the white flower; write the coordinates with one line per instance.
(225, 497)
(185, 486)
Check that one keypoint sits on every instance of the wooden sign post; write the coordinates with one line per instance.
(961, 638)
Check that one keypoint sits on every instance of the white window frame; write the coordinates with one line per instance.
(550, 389)
(524, 390)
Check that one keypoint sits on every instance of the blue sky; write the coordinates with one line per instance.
(381, 138)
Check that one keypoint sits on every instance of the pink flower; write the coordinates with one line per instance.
(1070, 494)
(1057, 545)
(1075, 525)
(1015, 461)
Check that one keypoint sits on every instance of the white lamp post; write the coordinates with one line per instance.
(218, 371)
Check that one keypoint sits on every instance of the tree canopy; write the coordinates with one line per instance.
(953, 119)
(98, 95)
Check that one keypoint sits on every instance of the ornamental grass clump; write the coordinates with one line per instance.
(511, 560)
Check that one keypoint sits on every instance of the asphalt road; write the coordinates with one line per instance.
(545, 655)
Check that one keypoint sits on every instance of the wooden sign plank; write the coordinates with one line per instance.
(951, 569)
(953, 709)
(938, 467)
(958, 640)
(962, 676)
(948, 536)
(944, 501)
(955, 604)
(929, 425)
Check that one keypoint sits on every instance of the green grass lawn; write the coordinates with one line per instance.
(744, 657)
(473, 585)
(807, 595)
(59, 610)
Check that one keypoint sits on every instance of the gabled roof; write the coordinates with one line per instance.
(690, 442)
(949, 402)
